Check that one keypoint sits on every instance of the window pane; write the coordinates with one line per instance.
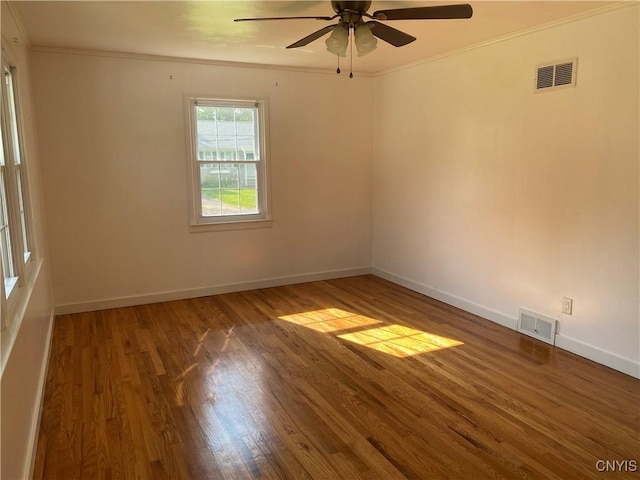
(5, 236)
(244, 114)
(210, 189)
(13, 118)
(245, 146)
(225, 115)
(23, 218)
(228, 189)
(207, 140)
(226, 148)
(205, 113)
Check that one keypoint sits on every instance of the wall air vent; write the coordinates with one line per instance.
(556, 75)
(537, 325)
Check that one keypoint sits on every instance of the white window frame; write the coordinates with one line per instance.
(26, 264)
(262, 218)
(14, 156)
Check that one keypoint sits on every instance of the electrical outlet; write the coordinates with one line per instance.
(567, 305)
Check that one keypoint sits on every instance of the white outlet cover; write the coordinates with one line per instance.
(567, 305)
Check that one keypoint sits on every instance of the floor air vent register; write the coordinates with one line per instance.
(537, 325)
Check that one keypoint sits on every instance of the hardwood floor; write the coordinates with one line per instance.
(355, 378)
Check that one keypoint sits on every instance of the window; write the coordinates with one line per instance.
(15, 229)
(228, 162)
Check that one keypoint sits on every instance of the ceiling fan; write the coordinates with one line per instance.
(351, 16)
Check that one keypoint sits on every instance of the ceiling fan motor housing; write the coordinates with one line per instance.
(356, 6)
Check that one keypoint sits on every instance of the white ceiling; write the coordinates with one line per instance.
(206, 30)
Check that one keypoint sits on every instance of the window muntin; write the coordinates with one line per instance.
(228, 161)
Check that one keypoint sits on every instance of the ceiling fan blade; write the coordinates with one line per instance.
(390, 35)
(426, 13)
(314, 36)
(281, 18)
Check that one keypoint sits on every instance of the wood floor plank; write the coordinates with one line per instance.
(352, 378)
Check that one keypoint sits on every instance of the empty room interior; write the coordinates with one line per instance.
(320, 240)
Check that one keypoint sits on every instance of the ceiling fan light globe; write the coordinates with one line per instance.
(364, 39)
(338, 41)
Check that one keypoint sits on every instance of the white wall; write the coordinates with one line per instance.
(492, 197)
(113, 133)
(23, 375)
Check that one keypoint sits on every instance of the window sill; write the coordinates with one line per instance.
(239, 225)
(9, 334)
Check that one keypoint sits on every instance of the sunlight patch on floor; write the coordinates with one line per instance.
(330, 320)
(396, 340)
(400, 341)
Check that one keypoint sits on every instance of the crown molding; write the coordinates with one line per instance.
(195, 61)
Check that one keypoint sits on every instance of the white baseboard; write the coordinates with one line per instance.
(70, 308)
(590, 352)
(602, 357)
(480, 310)
(30, 461)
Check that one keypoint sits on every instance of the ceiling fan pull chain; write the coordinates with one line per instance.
(351, 35)
(338, 69)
